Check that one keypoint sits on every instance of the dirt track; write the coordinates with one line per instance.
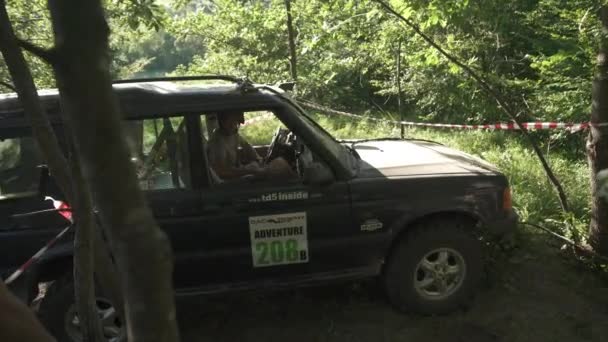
(532, 295)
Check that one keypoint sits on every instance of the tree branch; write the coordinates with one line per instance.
(570, 242)
(292, 44)
(582, 21)
(47, 55)
(502, 103)
(8, 86)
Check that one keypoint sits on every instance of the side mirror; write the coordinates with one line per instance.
(318, 174)
(43, 180)
(287, 86)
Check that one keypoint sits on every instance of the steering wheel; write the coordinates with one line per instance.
(273, 148)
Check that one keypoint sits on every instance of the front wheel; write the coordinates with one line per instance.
(59, 315)
(434, 269)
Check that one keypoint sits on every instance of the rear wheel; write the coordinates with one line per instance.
(59, 315)
(434, 269)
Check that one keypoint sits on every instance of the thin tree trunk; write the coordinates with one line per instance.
(502, 103)
(597, 145)
(84, 286)
(142, 250)
(398, 80)
(292, 43)
(48, 144)
(28, 95)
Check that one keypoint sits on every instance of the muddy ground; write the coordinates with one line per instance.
(532, 293)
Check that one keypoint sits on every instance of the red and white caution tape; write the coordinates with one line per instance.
(573, 127)
(506, 126)
(65, 211)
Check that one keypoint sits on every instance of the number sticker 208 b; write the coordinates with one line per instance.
(278, 239)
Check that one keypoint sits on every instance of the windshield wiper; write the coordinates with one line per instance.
(353, 143)
(353, 151)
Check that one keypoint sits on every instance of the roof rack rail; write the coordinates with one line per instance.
(234, 79)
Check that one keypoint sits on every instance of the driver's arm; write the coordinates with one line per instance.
(226, 170)
(249, 153)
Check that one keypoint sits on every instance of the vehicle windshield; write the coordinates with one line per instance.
(338, 150)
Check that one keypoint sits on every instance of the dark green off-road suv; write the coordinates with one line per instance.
(409, 212)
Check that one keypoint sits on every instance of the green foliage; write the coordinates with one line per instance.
(130, 21)
(31, 22)
(540, 55)
(241, 38)
(136, 13)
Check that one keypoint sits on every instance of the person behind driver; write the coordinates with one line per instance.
(224, 156)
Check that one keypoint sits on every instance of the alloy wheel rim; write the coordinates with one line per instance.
(111, 323)
(439, 274)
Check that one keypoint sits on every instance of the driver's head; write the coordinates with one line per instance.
(229, 122)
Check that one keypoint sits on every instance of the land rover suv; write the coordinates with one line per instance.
(405, 211)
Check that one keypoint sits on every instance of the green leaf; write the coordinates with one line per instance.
(407, 12)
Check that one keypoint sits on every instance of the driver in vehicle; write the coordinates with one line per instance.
(228, 163)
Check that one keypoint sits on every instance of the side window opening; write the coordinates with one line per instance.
(253, 147)
(19, 159)
(259, 127)
(159, 149)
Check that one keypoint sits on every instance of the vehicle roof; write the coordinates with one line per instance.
(145, 99)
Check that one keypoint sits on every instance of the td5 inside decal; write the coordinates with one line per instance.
(280, 196)
(278, 239)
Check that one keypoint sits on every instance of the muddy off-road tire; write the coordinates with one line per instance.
(435, 268)
(57, 313)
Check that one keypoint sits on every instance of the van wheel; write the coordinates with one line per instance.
(436, 268)
(59, 315)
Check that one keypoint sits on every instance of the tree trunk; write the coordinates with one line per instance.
(84, 284)
(26, 90)
(142, 250)
(292, 43)
(597, 145)
(398, 80)
(49, 146)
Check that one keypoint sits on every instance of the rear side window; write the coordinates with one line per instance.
(159, 150)
(19, 159)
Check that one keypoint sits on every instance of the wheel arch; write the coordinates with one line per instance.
(406, 226)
